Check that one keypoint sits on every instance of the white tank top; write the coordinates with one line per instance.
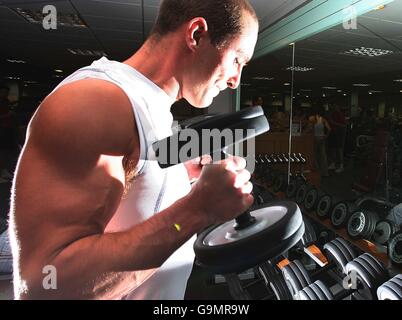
(153, 189)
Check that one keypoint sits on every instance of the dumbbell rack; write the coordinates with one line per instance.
(378, 251)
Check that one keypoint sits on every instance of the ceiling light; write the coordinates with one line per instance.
(367, 52)
(329, 88)
(361, 85)
(381, 7)
(286, 84)
(375, 91)
(13, 78)
(299, 69)
(63, 19)
(339, 91)
(398, 80)
(345, 94)
(16, 61)
(86, 52)
(58, 71)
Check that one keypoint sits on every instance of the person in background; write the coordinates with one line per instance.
(338, 124)
(321, 129)
(258, 102)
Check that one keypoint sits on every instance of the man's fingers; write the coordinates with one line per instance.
(242, 178)
(207, 159)
(247, 188)
(235, 163)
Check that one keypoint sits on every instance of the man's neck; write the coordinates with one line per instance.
(158, 61)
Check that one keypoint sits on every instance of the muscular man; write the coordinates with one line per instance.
(85, 199)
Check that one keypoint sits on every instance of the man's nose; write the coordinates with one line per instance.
(234, 81)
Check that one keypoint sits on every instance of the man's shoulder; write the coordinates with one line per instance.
(92, 111)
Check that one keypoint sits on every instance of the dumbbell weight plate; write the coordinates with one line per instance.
(324, 206)
(370, 274)
(395, 248)
(292, 187)
(391, 290)
(223, 249)
(383, 231)
(361, 224)
(302, 192)
(296, 277)
(316, 291)
(340, 252)
(309, 236)
(280, 183)
(340, 213)
(311, 199)
(274, 280)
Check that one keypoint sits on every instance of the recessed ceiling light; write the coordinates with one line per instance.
(345, 94)
(299, 69)
(339, 91)
(367, 52)
(400, 91)
(58, 70)
(13, 78)
(263, 78)
(398, 80)
(286, 84)
(86, 52)
(361, 85)
(329, 88)
(16, 61)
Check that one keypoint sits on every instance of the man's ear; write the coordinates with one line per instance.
(197, 29)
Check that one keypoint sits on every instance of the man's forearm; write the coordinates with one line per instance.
(95, 259)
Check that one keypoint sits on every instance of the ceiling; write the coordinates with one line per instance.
(115, 27)
(380, 29)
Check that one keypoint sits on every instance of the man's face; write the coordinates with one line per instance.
(214, 70)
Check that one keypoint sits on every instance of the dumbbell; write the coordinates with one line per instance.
(338, 253)
(324, 206)
(302, 192)
(395, 248)
(312, 198)
(316, 291)
(366, 275)
(370, 274)
(384, 230)
(294, 184)
(273, 279)
(341, 213)
(280, 182)
(361, 224)
(391, 290)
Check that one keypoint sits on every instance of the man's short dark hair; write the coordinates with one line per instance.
(224, 17)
